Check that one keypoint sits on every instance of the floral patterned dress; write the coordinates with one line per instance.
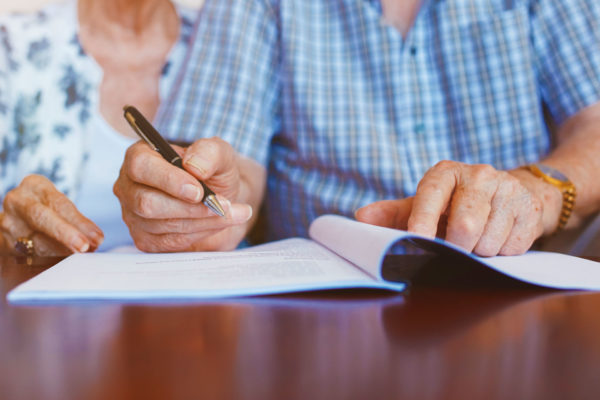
(49, 98)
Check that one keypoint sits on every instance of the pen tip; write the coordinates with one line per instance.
(214, 205)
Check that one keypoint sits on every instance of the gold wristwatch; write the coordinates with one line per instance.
(556, 178)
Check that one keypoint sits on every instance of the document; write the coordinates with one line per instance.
(341, 253)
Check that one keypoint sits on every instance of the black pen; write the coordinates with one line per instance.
(151, 136)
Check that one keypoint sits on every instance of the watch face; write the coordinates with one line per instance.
(551, 172)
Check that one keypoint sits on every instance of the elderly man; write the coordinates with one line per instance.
(431, 115)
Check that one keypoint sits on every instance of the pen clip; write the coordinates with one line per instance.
(137, 130)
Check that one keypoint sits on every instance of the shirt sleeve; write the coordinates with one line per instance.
(566, 40)
(229, 86)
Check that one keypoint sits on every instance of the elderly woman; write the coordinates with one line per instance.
(65, 74)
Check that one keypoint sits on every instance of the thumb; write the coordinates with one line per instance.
(206, 158)
(387, 213)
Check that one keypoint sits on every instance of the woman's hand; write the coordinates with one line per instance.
(38, 211)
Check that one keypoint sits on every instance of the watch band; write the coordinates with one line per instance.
(567, 188)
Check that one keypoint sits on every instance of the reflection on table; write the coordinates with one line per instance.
(434, 342)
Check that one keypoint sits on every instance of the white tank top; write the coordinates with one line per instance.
(96, 199)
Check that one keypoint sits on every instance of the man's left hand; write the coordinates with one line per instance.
(476, 207)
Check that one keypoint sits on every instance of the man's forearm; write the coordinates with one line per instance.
(577, 156)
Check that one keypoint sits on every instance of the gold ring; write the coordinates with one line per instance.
(24, 245)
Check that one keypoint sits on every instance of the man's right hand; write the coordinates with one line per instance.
(162, 204)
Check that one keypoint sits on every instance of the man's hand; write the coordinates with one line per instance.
(38, 211)
(162, 204)
(476, 207)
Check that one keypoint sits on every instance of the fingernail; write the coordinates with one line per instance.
(198, 163)
(80, 244)
(240, 213)
(191, 193)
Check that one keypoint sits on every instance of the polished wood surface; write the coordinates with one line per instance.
(433, 342)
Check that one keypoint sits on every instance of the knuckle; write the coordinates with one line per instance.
(10, 199)
(173, 225)
(130, 153)
(536, 205)
(444, 165)
(484, 172)
(465, 226)
(117, 188)
(129, 220)
(528, 206)
(144, 204)
(534, 200)
(508, 194)
(63, 206)
(122, 187)
(136, 159)
(510, 184)
(33, 180)
(432, 187)
(135, 149)
(136, 165)
(5, 223)
(37, 212)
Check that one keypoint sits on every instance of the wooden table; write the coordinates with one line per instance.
(430, 343)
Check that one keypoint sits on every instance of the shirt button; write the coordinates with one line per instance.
(413, 51)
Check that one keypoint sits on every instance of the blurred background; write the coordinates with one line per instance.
(26, 5)
(21, 5)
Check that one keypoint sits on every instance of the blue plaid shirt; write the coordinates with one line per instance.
(345, 111)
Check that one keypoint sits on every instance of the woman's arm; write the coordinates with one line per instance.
(32, 208)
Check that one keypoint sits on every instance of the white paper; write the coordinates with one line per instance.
(365, 245)
(289, 265)
(554, 270)
(362, 244)
(343, 254)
